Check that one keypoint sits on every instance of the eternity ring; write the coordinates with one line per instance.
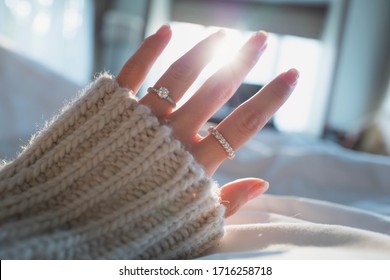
(163, 93)
(224, 143)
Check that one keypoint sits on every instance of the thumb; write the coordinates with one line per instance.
(235, 194)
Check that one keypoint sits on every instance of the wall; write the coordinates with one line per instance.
(363, 61)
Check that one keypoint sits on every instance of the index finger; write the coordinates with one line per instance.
(137, 67)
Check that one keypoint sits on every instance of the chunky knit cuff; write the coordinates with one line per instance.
(106, 180)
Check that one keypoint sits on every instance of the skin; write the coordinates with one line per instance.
(237, 128)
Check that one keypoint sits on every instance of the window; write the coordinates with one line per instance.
(57, 34)
(283, 52)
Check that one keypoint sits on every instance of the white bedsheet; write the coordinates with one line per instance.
(324, 202)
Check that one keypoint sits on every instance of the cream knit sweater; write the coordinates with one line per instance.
(105, 180)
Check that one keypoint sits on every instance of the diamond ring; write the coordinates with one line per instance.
(224, 143)
(163, 93)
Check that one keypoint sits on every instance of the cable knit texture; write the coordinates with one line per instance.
(105, 180)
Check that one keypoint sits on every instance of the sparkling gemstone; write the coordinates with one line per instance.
(163, 92)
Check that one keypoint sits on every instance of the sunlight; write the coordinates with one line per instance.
(283, 52)
(41, 23)
(296, 112)
(20, 8)
(225, 51)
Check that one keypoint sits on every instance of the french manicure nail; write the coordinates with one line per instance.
(291, 77)
(257, 189)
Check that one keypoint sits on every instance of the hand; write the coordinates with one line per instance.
(186, 121)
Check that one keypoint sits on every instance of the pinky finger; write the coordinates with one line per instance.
(246, 120)
(252, 115)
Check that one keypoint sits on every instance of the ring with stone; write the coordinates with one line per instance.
(163, 93)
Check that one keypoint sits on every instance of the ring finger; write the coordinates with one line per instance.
(246, 120)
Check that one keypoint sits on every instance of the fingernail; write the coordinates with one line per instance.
(259, 39)
(163, 30)
(291, 77)
(257, 189)
(220, 33)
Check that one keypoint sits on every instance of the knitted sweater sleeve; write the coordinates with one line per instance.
(106, 180)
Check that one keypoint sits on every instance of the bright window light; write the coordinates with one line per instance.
(41, 23)
(56, 34)
(283, 52)
(303, 54)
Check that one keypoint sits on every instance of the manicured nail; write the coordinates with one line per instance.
(291, 77)
(163, 30)
(257, 189)
(259, 39)
(220, 33)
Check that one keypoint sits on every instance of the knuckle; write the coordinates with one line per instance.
(133, 65)
(250, 121)
(223, 85)
(243, 62)
(280, 90)
(137, 62)
(249, 60)
(181, 71)
(224, 89)
(150, 44)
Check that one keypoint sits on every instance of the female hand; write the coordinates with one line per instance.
(186, 121)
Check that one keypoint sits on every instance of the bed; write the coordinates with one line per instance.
(324, 201)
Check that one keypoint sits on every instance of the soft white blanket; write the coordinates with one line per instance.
(324, 202)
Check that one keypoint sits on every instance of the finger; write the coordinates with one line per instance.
(136, 68)
(219, 87)
(246, 120)
(235, 194)
(181, 74)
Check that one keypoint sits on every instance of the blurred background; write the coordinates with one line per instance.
(50, 49)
